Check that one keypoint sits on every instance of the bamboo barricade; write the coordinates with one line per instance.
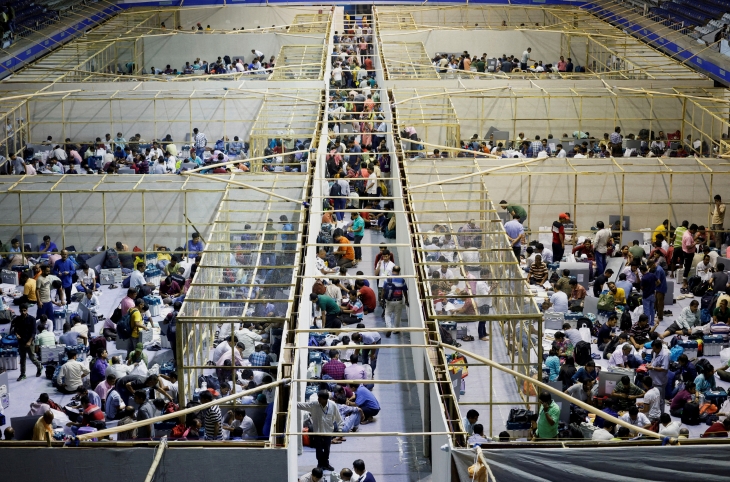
(180, 413)
(553, 391)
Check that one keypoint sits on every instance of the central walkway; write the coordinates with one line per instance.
(394, 458)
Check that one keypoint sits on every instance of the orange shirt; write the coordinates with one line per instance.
(346, 250)
(327, 218)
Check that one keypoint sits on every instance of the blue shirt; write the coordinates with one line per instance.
(287, 237)
(553, 363)
(60, 266)
(69, 339)
(514, 230)
(50, 249)
(194, 248)
(364, 398)
(627, 287)
(583, 375)
(648, 285)
(600, 421)
(662, 277)
(112, 404)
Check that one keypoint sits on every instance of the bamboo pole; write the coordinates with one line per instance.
(180, 413)
(548, 388)
(248, 186)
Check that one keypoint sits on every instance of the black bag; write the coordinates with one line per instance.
(576, 306)
(112, 259)
(582, 353)
(210, 380)
(519, 415)
(703, 365)
(626, 321)
(336, 189)
(634, 301)
(447, 338)
(707, 299)
(691, 414)
(50, 370)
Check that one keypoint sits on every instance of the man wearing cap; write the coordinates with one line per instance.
(558, 230)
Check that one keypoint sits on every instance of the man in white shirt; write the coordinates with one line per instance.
(70, 378)
(156, 151)
(136, 279)
(470, 256)
(325, 418)
(635, 417)
(561, 152)
(652, 400)
(59, 154)
(447, 247)
(337, 75)
(249, 339)
(604, 434)
(703, 268)
(667, 427)
(559, 302)
(258, 54)
(621, 357)
(372, 186)
(159, 166)
(383, 268)
(600, 246)
(239, 66)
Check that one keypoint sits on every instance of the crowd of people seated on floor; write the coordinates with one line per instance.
(112, 155)
(256, 65)
(244, 355)
(578, 145)
(460, 65)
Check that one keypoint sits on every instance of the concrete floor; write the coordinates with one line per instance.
(393, 459)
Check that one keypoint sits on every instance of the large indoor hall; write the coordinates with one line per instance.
(347, 242)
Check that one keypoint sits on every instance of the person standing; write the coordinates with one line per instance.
(659, 369)
(688, 253)
(24, 327)
(514, 209)
(601, 242)
(516, 234)
(548, 418)
(649, 284)
(45, 283)
(358, 231)
(661, 289)
(395, 293)
(718, 218)
(212, 418)
(325, 418)
(558, 230)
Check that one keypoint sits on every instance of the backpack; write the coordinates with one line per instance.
(112, 259)
(705, 316)
(675, 352)
(707, 299)
(336, 189)
(582, 353)
(634, 301)
(606, 302)
(325, 237)
(124, 327)
(626, 322)
(691, 414)
(391, 292)
(210, 380)
(700, 289)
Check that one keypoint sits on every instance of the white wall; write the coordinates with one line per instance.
(83, 121)
(175, 50)
(545, 45)
(235, 16)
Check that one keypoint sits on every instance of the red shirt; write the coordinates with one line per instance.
(717, 429)
(92, 412)
(557, 231)
(368, 63)
(368, 298)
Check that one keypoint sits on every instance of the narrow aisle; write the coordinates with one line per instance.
(392, 458)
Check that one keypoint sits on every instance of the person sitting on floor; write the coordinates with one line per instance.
(71, 375)
(636, 418)
(365, 399)
(688, 319)
(625, 393)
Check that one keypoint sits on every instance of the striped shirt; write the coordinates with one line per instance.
(538, 272)
(212, 417)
